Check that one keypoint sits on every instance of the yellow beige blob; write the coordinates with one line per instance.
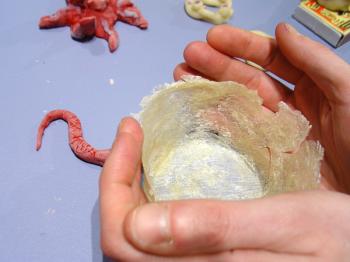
(206, 139)
(198, 9)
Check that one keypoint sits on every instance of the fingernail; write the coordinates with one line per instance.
(291, 29)
(125, 125)
(150, 225)
(122, 125)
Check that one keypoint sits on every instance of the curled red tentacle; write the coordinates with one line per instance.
(79, 146)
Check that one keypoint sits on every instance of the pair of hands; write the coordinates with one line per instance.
(301, 226)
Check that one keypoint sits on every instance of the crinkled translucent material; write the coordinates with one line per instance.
(206, 139)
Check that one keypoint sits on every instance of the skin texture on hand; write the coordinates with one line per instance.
(301, 226)
(321, 80)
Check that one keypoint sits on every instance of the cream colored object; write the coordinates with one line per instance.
(263, 34)
(198, 9)
(207, 139)
(336, 5)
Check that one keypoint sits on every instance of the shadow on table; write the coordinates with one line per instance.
(97, 255)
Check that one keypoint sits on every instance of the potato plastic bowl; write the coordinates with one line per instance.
(206, 139)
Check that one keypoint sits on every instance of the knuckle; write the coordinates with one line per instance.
(216, 226)
(205, 225)
(256, 80)
(271, 58)
(248, 42)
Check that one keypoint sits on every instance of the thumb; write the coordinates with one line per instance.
(328, 71)
(209, 226)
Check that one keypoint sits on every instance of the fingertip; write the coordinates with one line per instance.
(131, 126)
(288, 36)
(327, 70)
(294, 46)
(284, 29)
(179, 71)
(216, 32)
(127, 145)
(193, 50)
(124, 158)
(147, 227)
(222, 37)
(281, 27)
(128, 124)
(183, 69)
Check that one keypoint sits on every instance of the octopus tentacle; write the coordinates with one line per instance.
(63, 17)
(106, 31)
(130, 14)
(89, 18)
(79, 146)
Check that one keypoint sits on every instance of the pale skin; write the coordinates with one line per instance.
(300, 226)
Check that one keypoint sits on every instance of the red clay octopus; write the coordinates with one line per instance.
(89, 18)
(79, 146)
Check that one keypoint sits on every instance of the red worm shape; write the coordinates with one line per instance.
(79, 146)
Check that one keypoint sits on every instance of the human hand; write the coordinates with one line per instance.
(120, 190)
(305, 226)
(321, 80)
(121, 194)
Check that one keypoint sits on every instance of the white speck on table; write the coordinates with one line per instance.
(51, 211)
(111, 81)
(57, 199)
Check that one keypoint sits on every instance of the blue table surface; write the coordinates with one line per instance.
(49, 199)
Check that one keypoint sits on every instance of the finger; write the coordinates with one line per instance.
(116, 196)
(325, 68)
(183, 69)
(235, 42)
(286, 224)
(118, 185)
(124, 159)
(210, 62)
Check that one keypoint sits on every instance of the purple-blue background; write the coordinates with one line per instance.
(48, 199)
